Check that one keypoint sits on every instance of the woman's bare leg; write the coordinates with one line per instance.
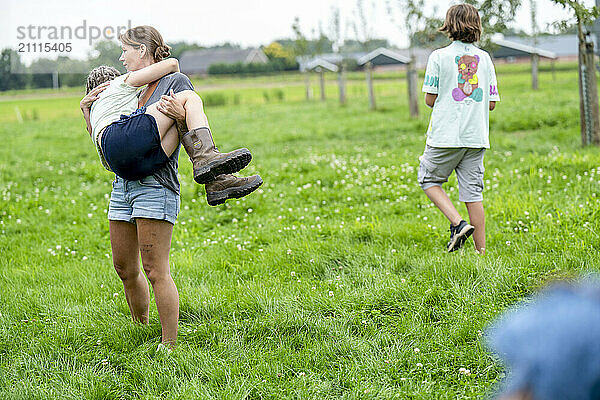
(154, 238)
(126, 260)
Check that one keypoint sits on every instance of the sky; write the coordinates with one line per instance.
(244, 22)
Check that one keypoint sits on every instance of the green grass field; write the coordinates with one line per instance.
(329, 282)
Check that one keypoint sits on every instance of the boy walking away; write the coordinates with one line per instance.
(461, 87)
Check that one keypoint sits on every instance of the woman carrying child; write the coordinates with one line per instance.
(142, 211)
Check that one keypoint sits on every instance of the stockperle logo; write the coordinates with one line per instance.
(66, 32)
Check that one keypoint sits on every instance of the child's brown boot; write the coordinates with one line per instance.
(228, 186)
(208, 162)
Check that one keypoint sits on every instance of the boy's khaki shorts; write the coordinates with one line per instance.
(437, 163)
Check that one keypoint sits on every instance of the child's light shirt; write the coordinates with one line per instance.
(118, 98)
(463, 77)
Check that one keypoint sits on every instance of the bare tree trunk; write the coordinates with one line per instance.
(55, 80)
(413, 97)
(322, 82)
(342, 85)
(588, 92)
(307, 85)
(534, 71)
(369, 76)
(592, 92)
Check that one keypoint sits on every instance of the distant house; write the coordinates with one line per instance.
(381, 58)
(197, 62)
(514, 48)
(320, 64)
(307, 63)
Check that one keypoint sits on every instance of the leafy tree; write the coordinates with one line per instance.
(335, 29)
(428, 36)
(354, 46)
(588, 89)
(42, 71)
(178, 48)
(363, 24)
(106, 52)
(300, 41)
(322, 44)
(10, 61)
(413, 19)
(279, 55)
(495, 17)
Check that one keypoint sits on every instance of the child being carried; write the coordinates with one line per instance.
(135, 143)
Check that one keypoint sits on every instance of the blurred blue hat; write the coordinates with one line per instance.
(551, 344)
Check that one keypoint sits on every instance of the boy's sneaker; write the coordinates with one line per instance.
(227, 186)
(459, 235)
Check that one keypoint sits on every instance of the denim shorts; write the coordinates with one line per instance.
(437, 163)
(144, 198)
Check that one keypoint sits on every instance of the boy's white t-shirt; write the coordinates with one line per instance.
(118, 98)
(463, 77)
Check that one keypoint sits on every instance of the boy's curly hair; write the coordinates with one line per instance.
(462, 23)
(99, 75)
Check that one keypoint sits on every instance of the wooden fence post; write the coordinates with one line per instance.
(369, 76)
(535, 58)
(342, 84)
(411, 76)
(307, 85)
(322, 82)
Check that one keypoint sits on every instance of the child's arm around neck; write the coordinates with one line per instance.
(152, 72)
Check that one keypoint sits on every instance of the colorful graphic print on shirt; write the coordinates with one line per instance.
(468, 83)
(433, 81)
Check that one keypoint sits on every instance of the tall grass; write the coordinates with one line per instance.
(331, 281)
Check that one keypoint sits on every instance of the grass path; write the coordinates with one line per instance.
(330, 282)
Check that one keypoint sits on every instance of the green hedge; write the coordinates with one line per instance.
(251, 68)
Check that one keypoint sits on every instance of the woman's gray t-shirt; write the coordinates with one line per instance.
(167, 175)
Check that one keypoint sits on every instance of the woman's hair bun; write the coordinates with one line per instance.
(161, 52)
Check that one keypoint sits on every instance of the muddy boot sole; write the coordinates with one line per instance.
(220, 197)
(234, 162)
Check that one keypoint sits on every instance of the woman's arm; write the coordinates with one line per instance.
(152, 72)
